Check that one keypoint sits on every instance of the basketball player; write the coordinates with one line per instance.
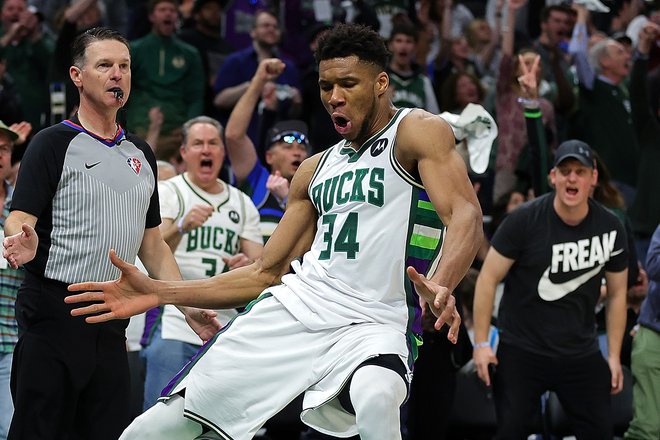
(344, 326)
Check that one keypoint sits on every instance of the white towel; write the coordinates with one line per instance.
(478, 128)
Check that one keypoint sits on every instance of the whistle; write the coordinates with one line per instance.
(119, 95)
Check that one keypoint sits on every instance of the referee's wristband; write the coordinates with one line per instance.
(481, 345)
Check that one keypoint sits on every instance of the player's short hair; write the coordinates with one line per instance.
(345, 40)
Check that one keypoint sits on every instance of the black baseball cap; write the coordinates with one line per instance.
(293, 127)
(575, 149)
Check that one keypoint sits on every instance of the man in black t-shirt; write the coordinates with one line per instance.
(555, 252)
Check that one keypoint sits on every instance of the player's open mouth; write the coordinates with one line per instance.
(206, 163)
(342, 125)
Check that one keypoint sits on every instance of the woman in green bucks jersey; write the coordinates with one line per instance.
(341, 327)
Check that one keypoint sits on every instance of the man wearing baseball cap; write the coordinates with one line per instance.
(555, 252)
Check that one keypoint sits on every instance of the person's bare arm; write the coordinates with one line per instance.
(617, 285)
(226, 99)
(494, 269)
(170, 232)
(194, 218)
(21, 240)
(445, 179)
(157, 257)
(508, 34)
(76, 10)
(251, 249)
(134, 293)
(240, 148)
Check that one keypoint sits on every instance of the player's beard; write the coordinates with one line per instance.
(366, 123)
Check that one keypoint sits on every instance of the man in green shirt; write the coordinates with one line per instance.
(167, 73)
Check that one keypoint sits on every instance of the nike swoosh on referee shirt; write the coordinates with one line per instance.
(90, 166)
(550, 291)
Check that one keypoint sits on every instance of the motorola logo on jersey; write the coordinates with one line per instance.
(378, 147)
(233, 216)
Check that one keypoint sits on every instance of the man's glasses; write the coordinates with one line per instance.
(290, 137)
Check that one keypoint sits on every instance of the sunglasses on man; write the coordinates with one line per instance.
(290, 137)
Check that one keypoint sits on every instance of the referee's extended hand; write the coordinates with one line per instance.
(440, 300)
(131, 294)
(22, 247)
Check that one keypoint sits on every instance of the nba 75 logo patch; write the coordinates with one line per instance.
(135, 164)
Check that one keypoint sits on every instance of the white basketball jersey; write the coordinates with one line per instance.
(200, 252)
(374, 220)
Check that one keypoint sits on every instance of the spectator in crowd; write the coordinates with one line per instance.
(455, 54)
(388, 11)
(115, 17)
(237, 71)
(485, 46)
(353, 85)
(430, 17)
(10, 102)
(513, 137)
(645, 210)
(10, 280)
(70, 380)
(554, 252)
(211, 228)
(27, 52)
(533, 177)
(646, 354)
(610, 197)
(605, 119)
(410, 87)
(552, 46)
(459, 90)
(168, 74)
(78, 17)
(206, 35)
(286, 146)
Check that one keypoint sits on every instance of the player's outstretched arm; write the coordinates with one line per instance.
(131, 294)
(134, 292)
(444, 303)
(432, 155)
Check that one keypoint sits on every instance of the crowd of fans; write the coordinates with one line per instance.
(597, 67)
